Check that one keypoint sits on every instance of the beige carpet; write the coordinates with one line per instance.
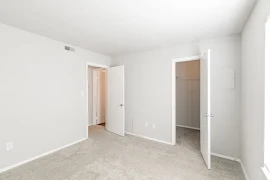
(108, 156)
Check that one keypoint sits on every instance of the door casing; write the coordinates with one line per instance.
(174, 61)
(87, 64)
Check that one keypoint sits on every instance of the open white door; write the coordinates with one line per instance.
(205, 108)
(115, 108)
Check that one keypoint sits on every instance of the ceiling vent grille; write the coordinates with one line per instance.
(68, 48)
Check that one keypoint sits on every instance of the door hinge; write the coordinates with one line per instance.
(207, 115)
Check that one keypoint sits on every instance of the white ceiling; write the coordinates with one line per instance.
(120, 26)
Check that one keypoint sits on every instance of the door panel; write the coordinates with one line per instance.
(115, 109)
(205, 109)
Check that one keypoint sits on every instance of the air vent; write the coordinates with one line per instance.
(68, 48)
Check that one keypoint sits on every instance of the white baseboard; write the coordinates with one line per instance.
(214, 154)
(233, 159)
(225, 157)
(244, 170)
(39, 156)
(265, 172)
(152, 139)
(188, 127)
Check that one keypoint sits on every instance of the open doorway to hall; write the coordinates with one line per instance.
(96, 96)
(105, 98)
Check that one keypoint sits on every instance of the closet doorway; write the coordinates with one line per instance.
(194, 98)
(188, 94)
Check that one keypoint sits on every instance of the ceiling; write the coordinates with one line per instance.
(121, 26)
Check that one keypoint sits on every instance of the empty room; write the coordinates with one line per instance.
(158, 90)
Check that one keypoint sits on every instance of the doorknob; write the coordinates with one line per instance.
(212, 115)
(205, 115)
(122, 105)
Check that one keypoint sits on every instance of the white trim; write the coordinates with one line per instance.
(174, 61)
(173, 104)
(208, 106)
(152, 139)
(225, 157)
(233, 159)
(265, 169)
(188, 127)
(244, 170)
(39, 156)
(97, 65)
(87, 64)
(266, 172)
(124, 101)
(191, 58)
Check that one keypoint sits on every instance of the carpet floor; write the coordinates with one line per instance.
(108, 156)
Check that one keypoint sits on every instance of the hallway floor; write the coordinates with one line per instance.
(108, 156)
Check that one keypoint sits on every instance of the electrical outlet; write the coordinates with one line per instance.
(154, 126)
(146, 124)
(9, 146)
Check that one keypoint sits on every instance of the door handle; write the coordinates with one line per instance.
(122, 105)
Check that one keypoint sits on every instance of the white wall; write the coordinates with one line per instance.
(41, 104)
(252, 99)
(148, 92)
(188, 93)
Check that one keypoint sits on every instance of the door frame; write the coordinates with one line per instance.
(87, 64)
(174, 61)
